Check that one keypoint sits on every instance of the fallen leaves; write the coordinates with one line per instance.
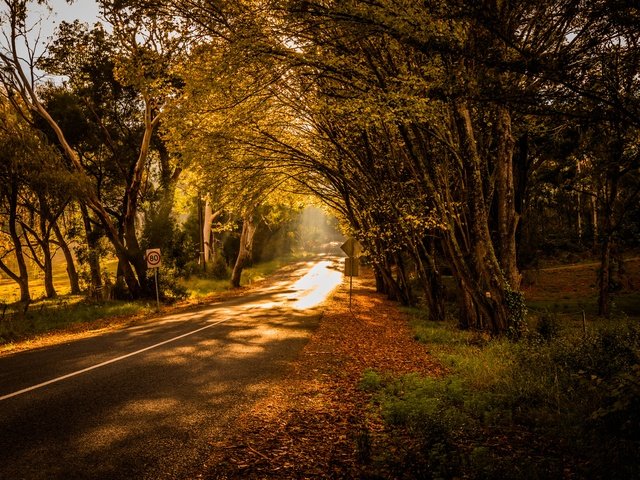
(316, 422)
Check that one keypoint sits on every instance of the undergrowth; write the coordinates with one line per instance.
(556, 404)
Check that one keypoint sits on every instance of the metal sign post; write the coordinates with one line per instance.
(154, 260)
(353, 249)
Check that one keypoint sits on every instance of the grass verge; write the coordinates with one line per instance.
(64, 314)
(202, 285)
(557, 404)
(74, 313)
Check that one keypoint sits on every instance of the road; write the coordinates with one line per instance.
(148, 401)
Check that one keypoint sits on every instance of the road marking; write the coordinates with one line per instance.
(108, 362)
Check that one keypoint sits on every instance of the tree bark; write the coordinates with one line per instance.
(209, 217)
(604, 277)
(72, 273)
(479, 274)
(505, 193)
(93, 257)
(433, 287)
(22, 279)
(45, 245)
(246, 248)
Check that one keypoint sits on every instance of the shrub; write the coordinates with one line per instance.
(219, 269)
(168, 287)
(548, 326)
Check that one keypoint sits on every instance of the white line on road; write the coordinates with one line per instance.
(113, 360)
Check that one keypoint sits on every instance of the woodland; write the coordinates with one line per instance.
(460, 139)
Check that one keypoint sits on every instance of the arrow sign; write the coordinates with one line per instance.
(351, 247)
(153, 257)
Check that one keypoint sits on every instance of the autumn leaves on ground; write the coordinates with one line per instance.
(329, 416)
(317, 423)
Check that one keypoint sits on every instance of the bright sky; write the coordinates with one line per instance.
(84, 10)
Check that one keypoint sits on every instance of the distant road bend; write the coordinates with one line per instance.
(147, 401)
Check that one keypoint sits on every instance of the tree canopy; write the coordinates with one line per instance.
(442, 133)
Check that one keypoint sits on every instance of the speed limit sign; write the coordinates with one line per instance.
(154, 260)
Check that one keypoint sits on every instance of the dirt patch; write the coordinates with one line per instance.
(316, 422)
(577, 281)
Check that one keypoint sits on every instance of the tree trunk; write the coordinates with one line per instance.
(594, 221)
(406, 297)
(479, 274)
(23, 274)
(93, 257)
(47, 261)
(432, 285)
(507, 216)
(49, 287)
(391, 287)
(132, 255)
(380, 285)
(127, 275)
(604, 280)
(207, 235)
(72, 273)
(468, 317)
(246, 247)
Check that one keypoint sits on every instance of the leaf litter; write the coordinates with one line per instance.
(316, 422)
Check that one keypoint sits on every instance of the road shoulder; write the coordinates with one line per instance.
(315, 422)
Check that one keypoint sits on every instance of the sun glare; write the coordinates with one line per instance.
(312, 289)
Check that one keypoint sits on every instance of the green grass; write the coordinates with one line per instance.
(527, 409)
(63, 314)
(200, 285)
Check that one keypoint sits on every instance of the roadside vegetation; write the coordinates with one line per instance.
(561, 402)
(68, 313)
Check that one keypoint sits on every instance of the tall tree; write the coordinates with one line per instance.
(143, 51)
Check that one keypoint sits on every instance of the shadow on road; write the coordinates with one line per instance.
(157, 413)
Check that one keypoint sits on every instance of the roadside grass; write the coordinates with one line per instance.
(63, 314)
(67, 312)
(563, 402)
(202, 285)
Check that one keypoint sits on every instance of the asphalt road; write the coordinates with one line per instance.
(148, 401)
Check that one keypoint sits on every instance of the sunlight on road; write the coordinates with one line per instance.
(315, 286)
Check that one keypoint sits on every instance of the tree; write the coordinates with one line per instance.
(36, 191)
(143, 50)
(13, 149)
(584, 58)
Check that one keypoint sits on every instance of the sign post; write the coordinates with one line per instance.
(351, 265)
(154, 260)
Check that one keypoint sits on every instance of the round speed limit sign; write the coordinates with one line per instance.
(154, 260)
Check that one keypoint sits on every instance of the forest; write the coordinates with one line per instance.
(451, 138)
(466, 144)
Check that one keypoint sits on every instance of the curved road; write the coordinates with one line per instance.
(148, 401)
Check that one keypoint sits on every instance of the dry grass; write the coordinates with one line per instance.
(573, 289)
